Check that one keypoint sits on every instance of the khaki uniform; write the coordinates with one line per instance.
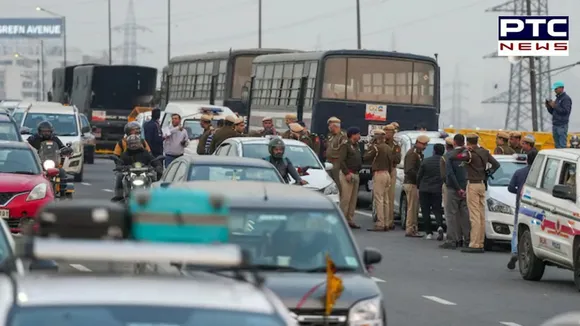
(351, 163)
(220, 136)
(286, 134)
(413, 160)
(503, 150)
(203, 140)
(393, 173)
(517, 148)
(381, 158)
(335, 143)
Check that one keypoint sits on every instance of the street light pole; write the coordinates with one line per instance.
(168, 31)
(38, 81)
(52, 13)
(110, 32)
(358, 35)
(259, 24)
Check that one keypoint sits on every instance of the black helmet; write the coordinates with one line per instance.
(574, 141)
(45, 129)
(276, 143)
(133, 125)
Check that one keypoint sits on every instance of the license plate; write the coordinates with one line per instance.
(4, 213)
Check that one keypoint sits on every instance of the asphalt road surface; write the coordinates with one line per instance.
(422, 284)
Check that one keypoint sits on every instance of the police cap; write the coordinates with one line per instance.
(333, 120)
(449, 141)
(295, 127)
(471, 137)
(395, 124)
(378, 132)
(516, 134)
(290, 116)
(238, 121)
(529, 139)
(267, 119)
(423, 139)
(231, 118)
(206, 118)
(503, 135)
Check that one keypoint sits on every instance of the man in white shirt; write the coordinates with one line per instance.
(175, 139)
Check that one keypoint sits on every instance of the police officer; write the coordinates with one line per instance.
(205, 122)
(396, 125)
(288, 119)
(477, 159)
(413, 159)
(380, 155)
(574, 141)
(529, 145)
(267, 127)
(501, 141)
(390, 141)
(314, 139)
(335, 141)
(351, 163)
(443, 170)
(515, 140)
(227, 131)
(240, 127)
(298, 132)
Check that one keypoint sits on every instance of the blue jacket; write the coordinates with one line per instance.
(153, 137)
(561, 113)
(517, 182)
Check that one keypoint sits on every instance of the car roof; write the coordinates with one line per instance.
(51, 107)
(14, 144)
(567, 153)
(226, 160)
(266, 140)
(254, 194)
(201, 290)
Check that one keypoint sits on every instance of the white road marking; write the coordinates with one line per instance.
(107, 190)
(509, 323)
(439, 300)
(378, 280)
(79, 267)
(85, 183)
(364, 213)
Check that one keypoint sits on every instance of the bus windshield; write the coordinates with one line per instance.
(122, 88)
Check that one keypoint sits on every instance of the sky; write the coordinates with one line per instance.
(461, 32)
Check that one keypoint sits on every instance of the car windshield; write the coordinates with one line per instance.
(18, 160)
(8, 131)
(194, 129)
(300, 156)
(136, 315)
(502, 177)
(63, 124)
(293, 239)
(232, 172)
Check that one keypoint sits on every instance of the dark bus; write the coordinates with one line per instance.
(363, 88)
(215, 78)
(62, 82)
(108, 94)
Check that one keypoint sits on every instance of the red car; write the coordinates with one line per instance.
(24, 186)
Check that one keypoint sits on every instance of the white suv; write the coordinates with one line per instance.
(549, 216)
(67, 126)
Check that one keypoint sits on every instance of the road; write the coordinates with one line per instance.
(422, 284)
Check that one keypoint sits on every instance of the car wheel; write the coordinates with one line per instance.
(403, 211)
(531, 267)
(487, 244)
(79, 176)
(577, 265)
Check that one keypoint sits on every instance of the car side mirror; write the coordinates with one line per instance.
(328, 166)
(164, 184)
(564, 192)
(51, 173)
(371, 256)
(43, 265)
(85, 129)
(25, 131)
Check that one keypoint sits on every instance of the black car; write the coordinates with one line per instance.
(289, 231)
(9, 131)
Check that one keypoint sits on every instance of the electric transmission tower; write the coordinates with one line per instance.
(457, 97)
(130, 47)
(518, 96)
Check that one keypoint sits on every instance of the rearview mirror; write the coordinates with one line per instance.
(328, 166)
(51, 173)
(372, 256)
(43, 265)
(564, 192)
(85, 129)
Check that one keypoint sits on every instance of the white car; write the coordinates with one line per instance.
(297, 152)
(67, 126)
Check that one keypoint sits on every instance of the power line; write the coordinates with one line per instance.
(457, 97)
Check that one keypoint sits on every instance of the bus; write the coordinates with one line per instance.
(108, 94)
(215, 78)
(62, 81)
(363, 88)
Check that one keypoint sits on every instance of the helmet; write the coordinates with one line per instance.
(575, 141)
(45, 129)
(134, 142)
(276, 143)
(132, 126)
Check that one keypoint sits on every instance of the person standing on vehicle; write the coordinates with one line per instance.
(476, 159)
(277, 148)
(131, 128)
(501, 141)
(560, 110)
(205, 123)
(226, 132)
(153, 134)
(515, 142)
(350, 164)
(288, 119)
(430, 183)
(515, 187)
(574, 141)
(529, 145)
(390, 141)
(336, 140)
(413, 160)
(175, 139)
(380, 155)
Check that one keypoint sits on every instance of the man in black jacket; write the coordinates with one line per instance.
(430, 196)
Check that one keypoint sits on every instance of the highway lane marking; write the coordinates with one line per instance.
(107, 190)
(509, 323)
(364, 213)
(85, 183)
(378, 280)
(439, 300)
(79, 267)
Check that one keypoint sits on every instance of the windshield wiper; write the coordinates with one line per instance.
(322, 269)
(22, 172)
(67, 134)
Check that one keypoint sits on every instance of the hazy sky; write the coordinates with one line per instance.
(459, 30)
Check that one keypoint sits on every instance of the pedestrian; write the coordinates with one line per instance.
(515, 187)
(430, 195)
(380, 156)
(456, 213)
(227, 131)
(175, 139)
(390, 141)
(350, 164)
(529, 145)
(334, 141)
(476, 159)
(560, 109)
(442, 170)
(515, 142)
(502, 147)
(412, 163)
(205, 123)
(153, 134)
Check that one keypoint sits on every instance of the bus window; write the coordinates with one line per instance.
(423, 83)
(286, 85)
(276, 82)
(296, 75)
(334, 79)
(311, 83)
(221, 82)
(242, 74)
(372, 80)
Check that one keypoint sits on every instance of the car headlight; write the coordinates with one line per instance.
(49, 164)
(366, 312)
(332, 189)
(38, 192)
(499, 207)
(138, 182)
(77, 148)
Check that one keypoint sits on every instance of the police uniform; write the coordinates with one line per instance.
(396, 125)
(504, 148)
(413, 160)
(289, 118)
(476, 160)
(236, 125)
(223, 133)
(390, 222)
(531, 141)
(516, 136)
(351, 163)
(335, 143)
(263, 132)
(205, 135)
(297, 132)
(380, 155)
(443, 171)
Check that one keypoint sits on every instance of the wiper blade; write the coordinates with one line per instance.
(23, 172)
(322, 269)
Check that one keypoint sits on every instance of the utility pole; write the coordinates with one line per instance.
(457, 97)
(168, 31)
(358, 33)
(259, 24)
(533, 91)
(110, 33)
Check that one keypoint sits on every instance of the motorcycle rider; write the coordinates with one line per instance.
(131, 128)
(135, 153)
(276, 148)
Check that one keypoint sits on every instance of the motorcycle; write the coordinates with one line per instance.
(135, 176)
(50, 154)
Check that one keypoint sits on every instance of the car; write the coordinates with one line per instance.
(25, 187)
(9, 105)
(67, 122)
(9, 130)
(548, 229)
(215, 168)
(88, 140)
(301, 156)
(288, 234)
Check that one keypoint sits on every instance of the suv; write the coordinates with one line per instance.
(68, 126)
(549, 221)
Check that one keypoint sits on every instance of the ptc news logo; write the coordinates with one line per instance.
(533, 36)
